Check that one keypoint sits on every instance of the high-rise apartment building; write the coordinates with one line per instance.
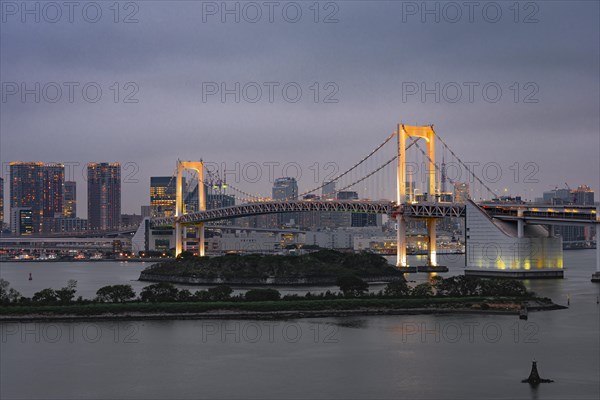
(285, 189)
(26, 179)
(70, 199)
(53, 180)
(104, 195)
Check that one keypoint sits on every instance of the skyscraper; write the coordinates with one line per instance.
(286, 189)
(53, 180)
(70, 199)
(104, 195)
(26, 190)
(163, 195)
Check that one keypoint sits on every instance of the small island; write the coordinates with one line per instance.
(163, 300)
(321, 267)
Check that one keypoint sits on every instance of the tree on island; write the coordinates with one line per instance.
(220, 293)
(422, 290)
(66, 294)
(8, 294)
(352, 285)
(115, 293)
(396, 288)
(159, 292)
(45, 296)
(262, 295)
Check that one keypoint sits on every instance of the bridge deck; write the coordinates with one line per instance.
(533, 215)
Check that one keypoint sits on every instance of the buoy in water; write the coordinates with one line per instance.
(30, 277)
(534, 377)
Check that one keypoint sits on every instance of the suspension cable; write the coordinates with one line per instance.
(352, 168)
(464, 165)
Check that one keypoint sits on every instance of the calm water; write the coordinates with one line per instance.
(420, 357)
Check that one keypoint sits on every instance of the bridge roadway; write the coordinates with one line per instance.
(543, 215)
(533, 214)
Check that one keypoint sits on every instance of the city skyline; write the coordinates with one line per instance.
(299, 199)
(373, 73)
(72, 207)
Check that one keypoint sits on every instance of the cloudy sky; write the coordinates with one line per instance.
(361, 66)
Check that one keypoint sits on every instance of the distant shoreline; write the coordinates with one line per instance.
(279, 310)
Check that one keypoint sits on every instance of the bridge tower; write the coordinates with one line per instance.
(403, 133)
(197, 166)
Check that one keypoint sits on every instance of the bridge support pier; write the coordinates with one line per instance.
(178, 239)
(180, 231)
(520, 223)
(401, 242)
(200, 237)
(432, 244)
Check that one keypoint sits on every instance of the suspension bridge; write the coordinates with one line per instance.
(501, 239)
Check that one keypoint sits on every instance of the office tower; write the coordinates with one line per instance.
(163, 196)
(583, 196)
(70, 199)
(286, 189)
(461, 192)
(104, 195)
(355, 219)
(21, 221)
(74, 224)
(350, 219)
(26, 191)
(53, 179)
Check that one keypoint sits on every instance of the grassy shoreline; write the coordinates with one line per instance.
(271, 309)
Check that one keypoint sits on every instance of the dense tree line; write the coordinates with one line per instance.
(319, 264)
(351, 286)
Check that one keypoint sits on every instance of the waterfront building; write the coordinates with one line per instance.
(53, 180)
(582, 196)
(64, 224)
(70, 199)
(104, 195)
(26, 180)
(163, 195)
(21, 221)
